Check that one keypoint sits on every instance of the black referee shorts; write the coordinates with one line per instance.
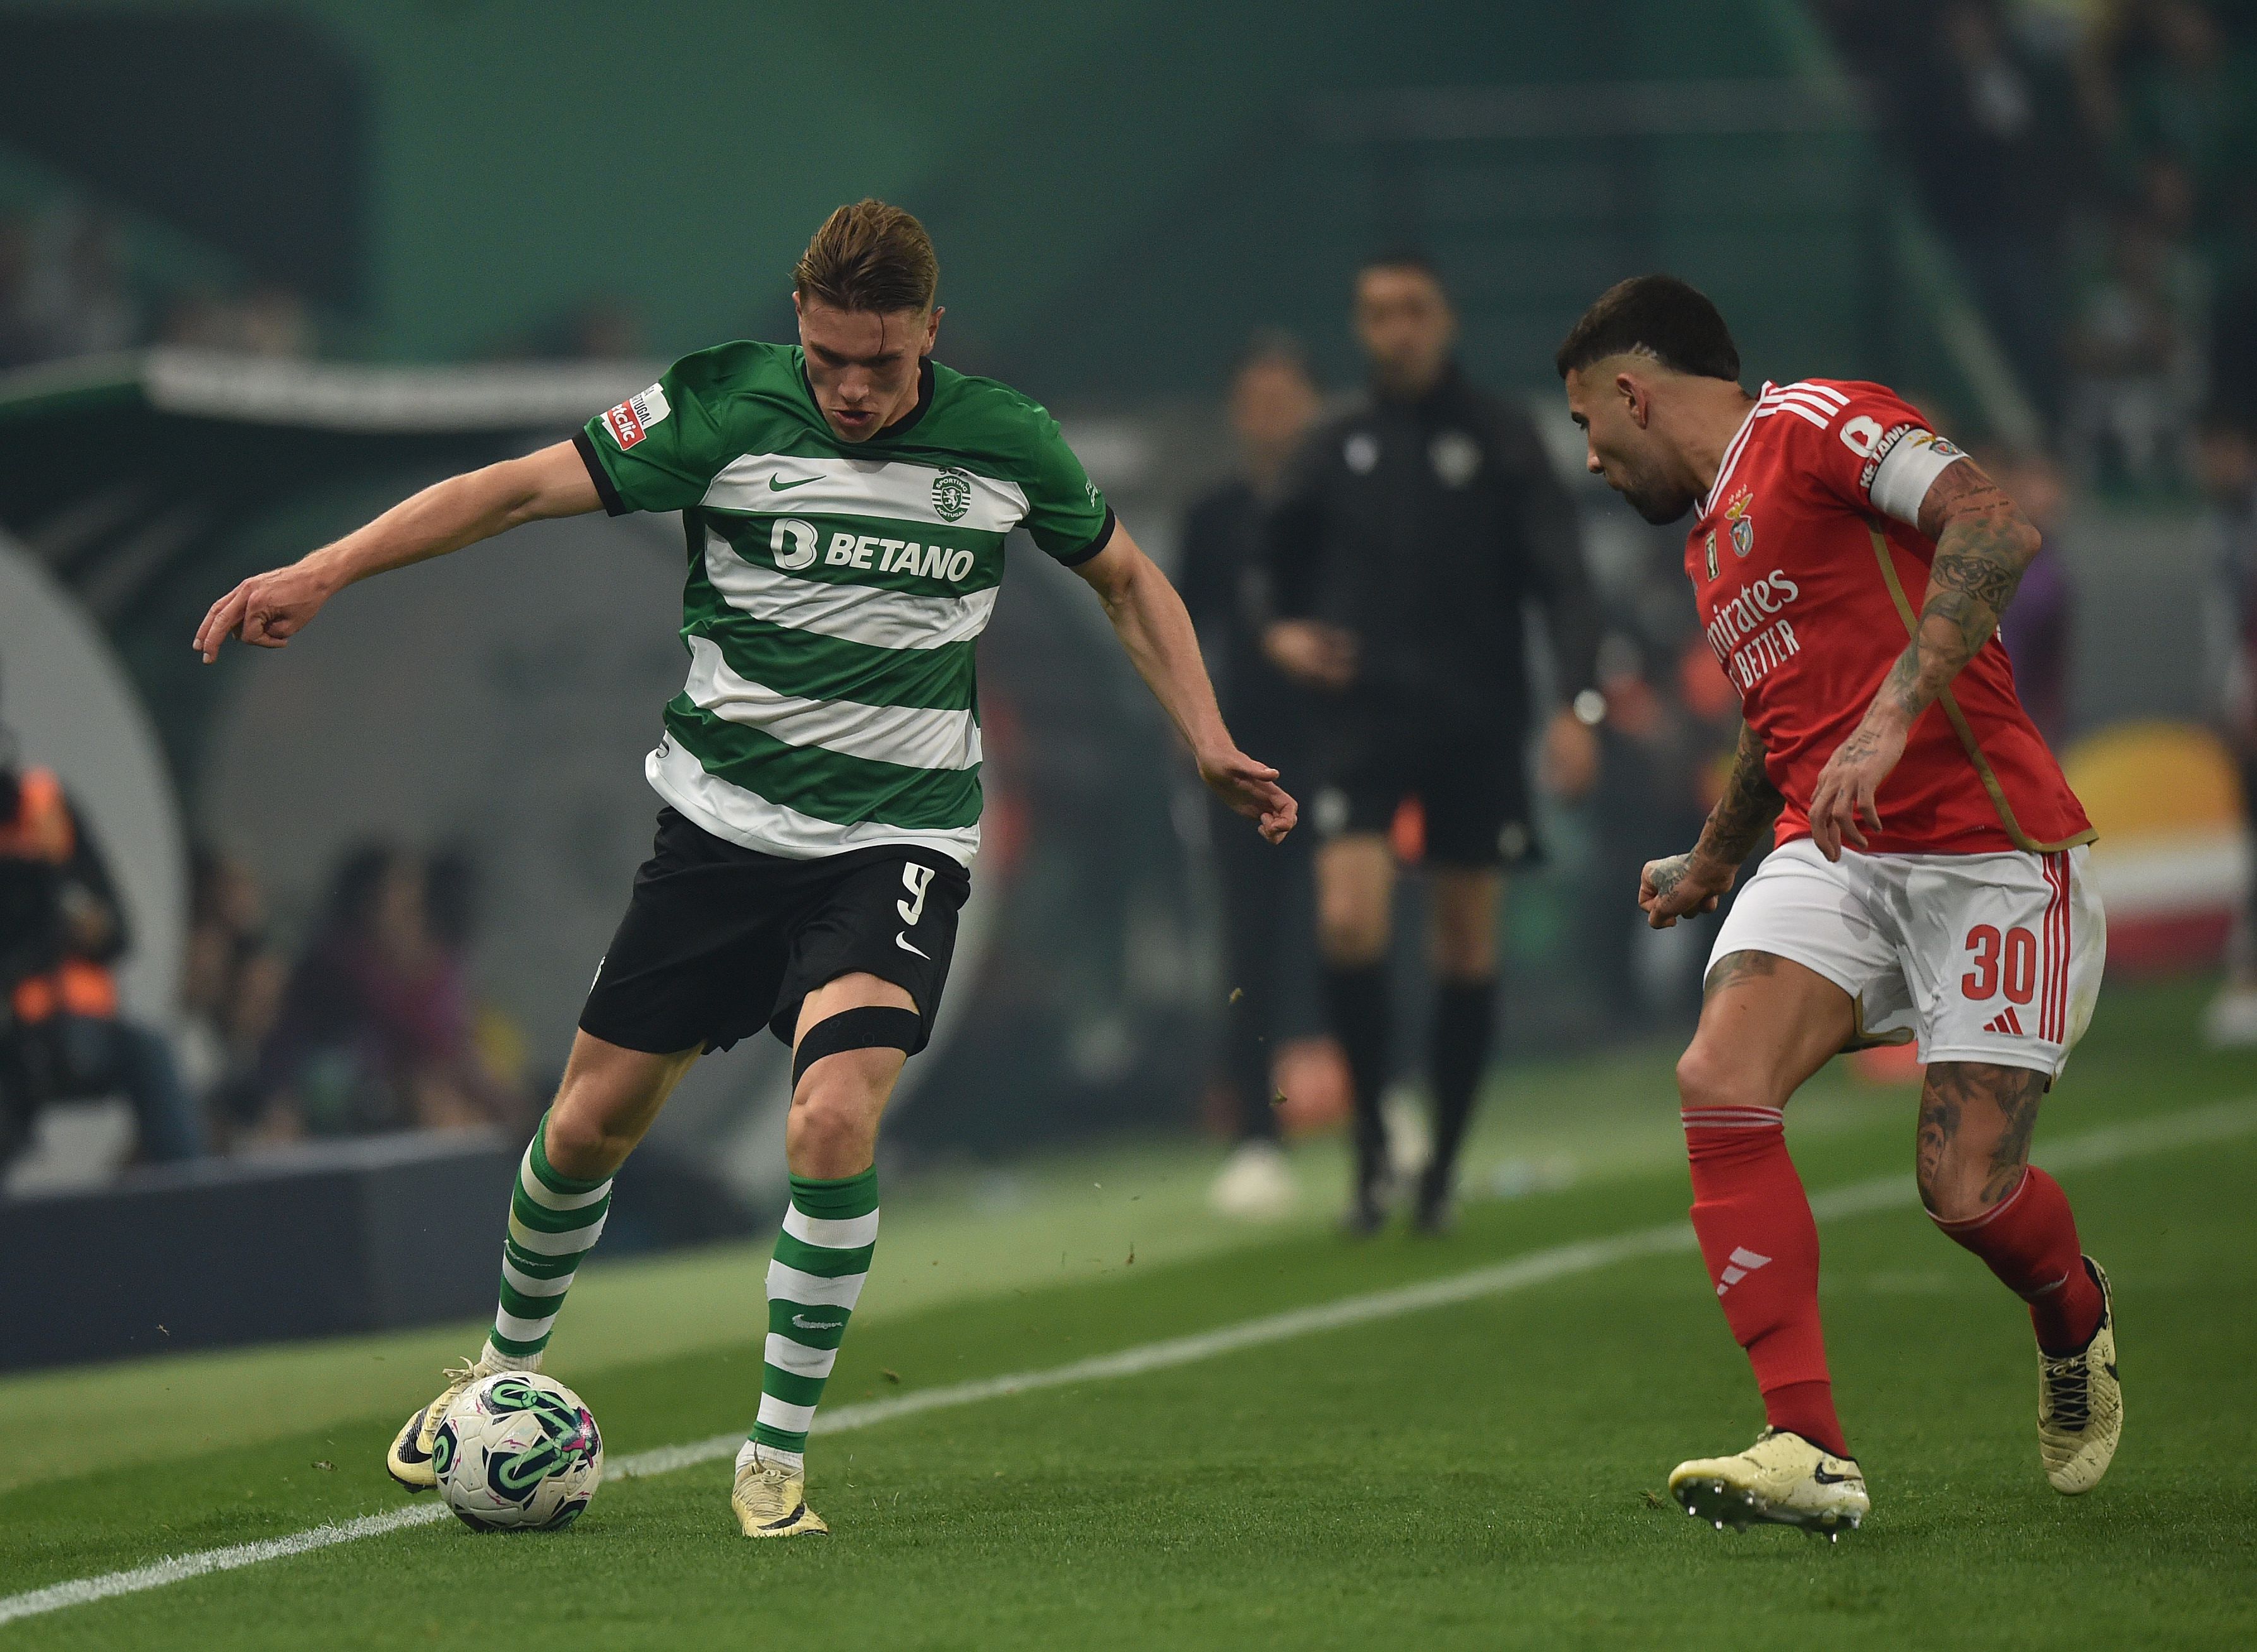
(1472, 786)
(719, 940)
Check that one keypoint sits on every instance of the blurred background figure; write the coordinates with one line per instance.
(2136, 348)
(376, 1028)
(19, 341)
(1267, 930)
(230, 989)
(81, 300)
(62, 928)
(2229, 476)
(1409, 534)
(2039, 629)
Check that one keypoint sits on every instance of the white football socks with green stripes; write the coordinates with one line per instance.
(822, 1257)
(555, 1221)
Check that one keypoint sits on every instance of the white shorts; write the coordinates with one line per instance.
(1984, 958)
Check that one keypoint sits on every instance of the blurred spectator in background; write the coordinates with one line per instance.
(495, 1074)
(2136, 353)
(606, 327)
(230, 988)
(2040, 631)
(81, 300)
(2165, 78)
(1268, 928)
(62, 929)
(1992, 120)
(2112, 140)
(2229, 476)
(19, 341)
(269, 320)
(375, 1031)
(68, 288)
(1409, 534)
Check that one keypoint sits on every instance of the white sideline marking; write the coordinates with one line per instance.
(2219, 1122)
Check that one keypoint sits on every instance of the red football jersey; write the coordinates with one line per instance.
(1809, 581)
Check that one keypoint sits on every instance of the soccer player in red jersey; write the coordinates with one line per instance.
(1928, 880)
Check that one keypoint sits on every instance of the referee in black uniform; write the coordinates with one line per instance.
(1409, 535)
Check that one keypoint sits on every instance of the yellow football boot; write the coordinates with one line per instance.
(1782, 1480)
(2080, 1403)
(771, 1500)
(409, 1460)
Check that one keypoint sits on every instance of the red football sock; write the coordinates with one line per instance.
(1761, 1245)
(2028, 1240)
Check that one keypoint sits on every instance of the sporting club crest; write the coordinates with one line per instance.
(951, 494)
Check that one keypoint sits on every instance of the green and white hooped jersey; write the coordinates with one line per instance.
(835, 592)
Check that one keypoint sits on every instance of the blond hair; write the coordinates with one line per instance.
(869, 257)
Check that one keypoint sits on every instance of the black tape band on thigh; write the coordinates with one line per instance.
(867, 1027)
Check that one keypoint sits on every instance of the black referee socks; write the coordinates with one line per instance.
(1465, 1018)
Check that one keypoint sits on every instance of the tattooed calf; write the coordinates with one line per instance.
(1993, 1111)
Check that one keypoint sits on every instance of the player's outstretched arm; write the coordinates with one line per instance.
(269, 609)
(1153, 625)
(1692, 883)
(1983, 546)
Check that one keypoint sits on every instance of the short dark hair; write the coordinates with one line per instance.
(1656, 315)
(1404, 259)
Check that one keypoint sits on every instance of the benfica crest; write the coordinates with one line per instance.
(1742, 523)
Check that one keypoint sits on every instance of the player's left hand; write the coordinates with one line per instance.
(1252, 789)
(1842, 805)
(1571, 757)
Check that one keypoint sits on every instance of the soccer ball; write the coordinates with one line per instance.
(517, 1452)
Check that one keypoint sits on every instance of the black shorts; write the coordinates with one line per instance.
(719, 940)
(1472, 787)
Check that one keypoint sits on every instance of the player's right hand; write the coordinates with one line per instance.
(1311, 652)
(1681, 887)
(266, 610)
(1252, 789)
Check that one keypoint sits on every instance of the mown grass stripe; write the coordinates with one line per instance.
(2219, 1121)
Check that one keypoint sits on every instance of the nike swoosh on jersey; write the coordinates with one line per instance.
(902, 942)
(777, 485)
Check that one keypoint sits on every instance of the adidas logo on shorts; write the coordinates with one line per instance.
(2005, 1022)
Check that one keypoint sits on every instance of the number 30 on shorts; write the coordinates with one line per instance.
(2010, 960)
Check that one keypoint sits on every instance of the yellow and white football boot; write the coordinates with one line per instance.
(1781, 1480)
(2080, 1403)
(771, 1500)
(409, 1460)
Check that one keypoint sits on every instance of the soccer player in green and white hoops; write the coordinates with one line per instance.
(846, 504)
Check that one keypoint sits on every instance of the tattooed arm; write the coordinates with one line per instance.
(1983, 544)
(1693, 882)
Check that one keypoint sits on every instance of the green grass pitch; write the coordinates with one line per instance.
(1483, 1473)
